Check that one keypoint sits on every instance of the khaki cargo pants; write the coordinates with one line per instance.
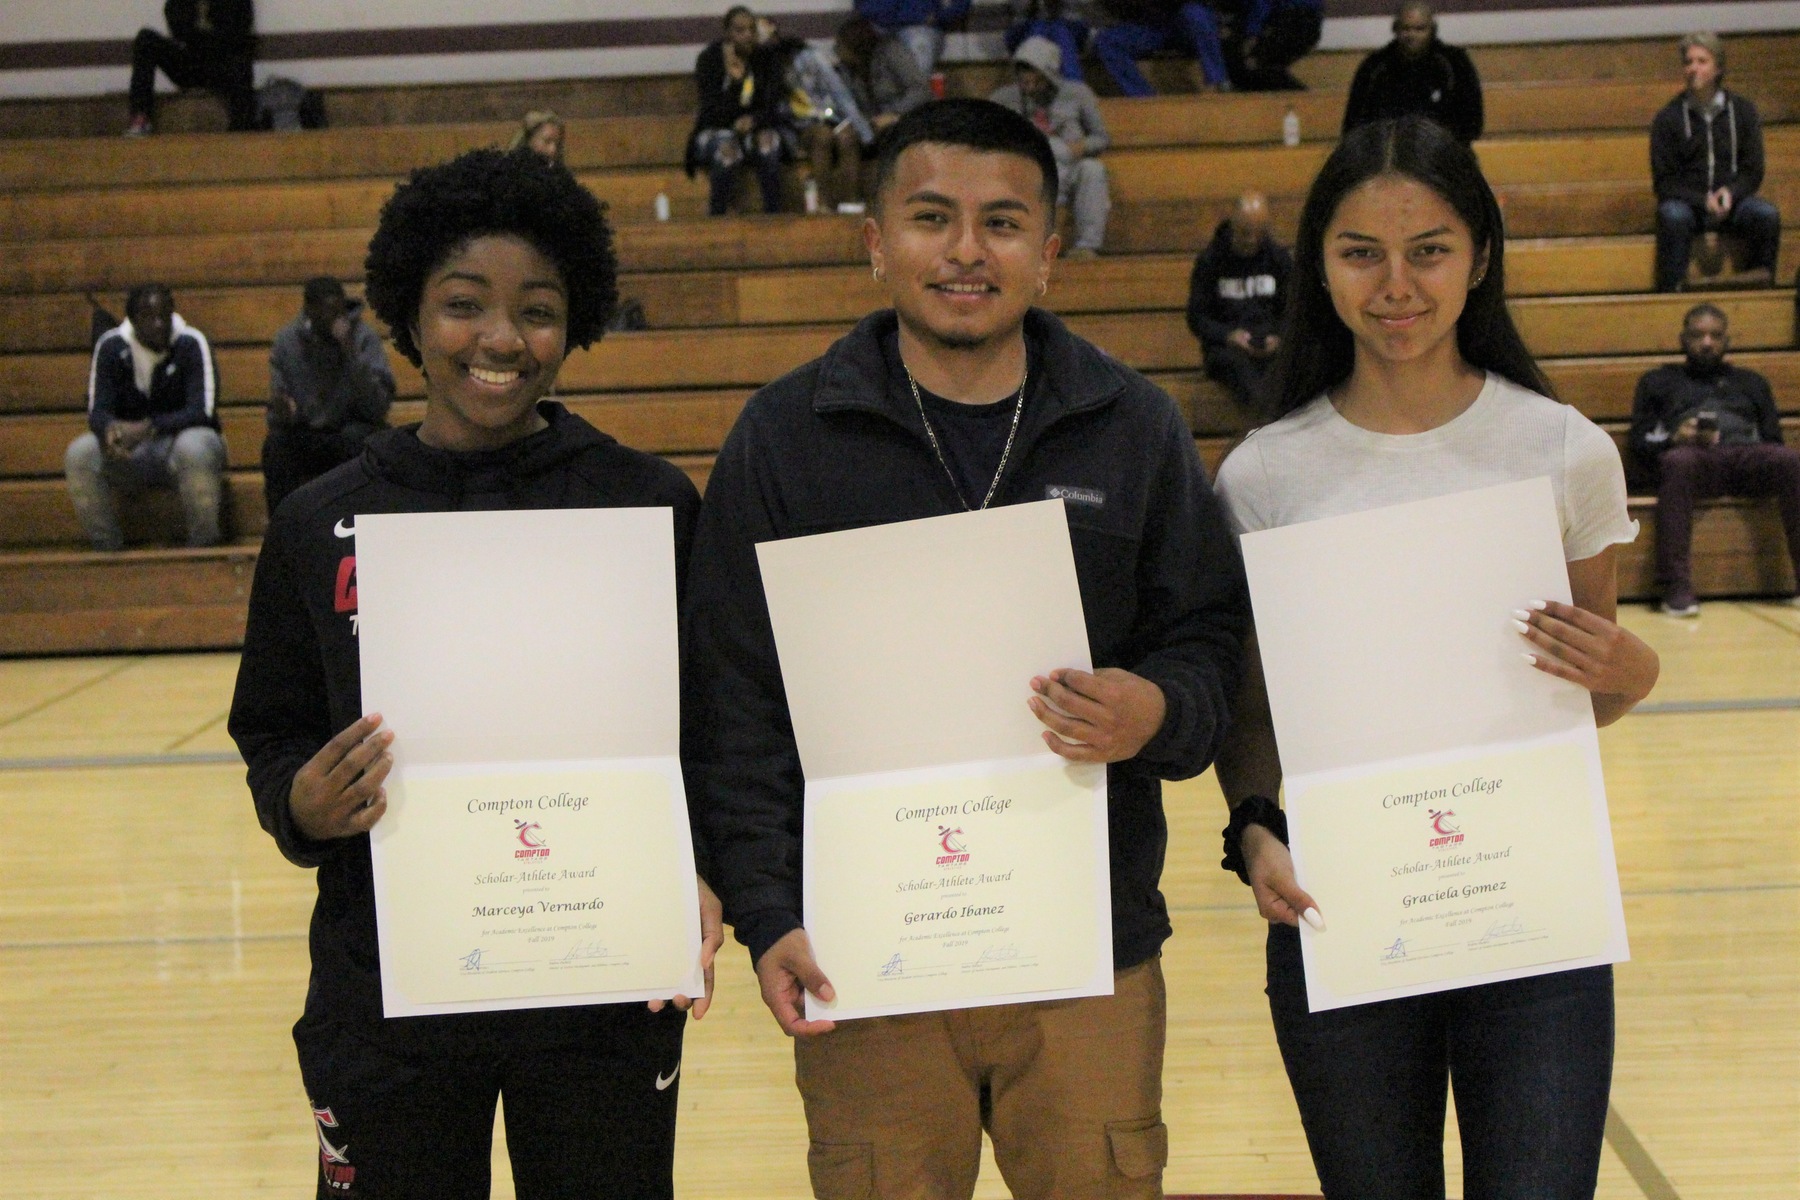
(1070, 1091)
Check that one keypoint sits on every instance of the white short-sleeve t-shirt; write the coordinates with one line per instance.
(1313, 463)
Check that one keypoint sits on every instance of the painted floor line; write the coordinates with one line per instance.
(223, 939)
(90, 762)
(83, 686)
(1637, 1160)
(1757, 704)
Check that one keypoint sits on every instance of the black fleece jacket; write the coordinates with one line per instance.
(1441, 84)
(838, 444)
(1668, 395)
(299, 682)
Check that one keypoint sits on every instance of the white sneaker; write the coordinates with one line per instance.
(1690, 609)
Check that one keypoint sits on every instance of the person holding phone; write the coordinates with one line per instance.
(1402, 377)
(1235, 296)
(1703, 428)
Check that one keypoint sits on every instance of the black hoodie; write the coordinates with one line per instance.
(299, 682)
(1691, 156)
(838, 444)
(1228, 291)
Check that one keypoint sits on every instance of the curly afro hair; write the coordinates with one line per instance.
(440, 209)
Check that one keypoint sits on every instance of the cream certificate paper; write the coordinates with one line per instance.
(949, 860)
(1445, 799)
(535, 851)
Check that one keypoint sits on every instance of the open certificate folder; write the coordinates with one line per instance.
(535, 850)
(1445, 800)
(950, 860)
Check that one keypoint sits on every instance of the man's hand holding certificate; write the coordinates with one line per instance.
(1445, 802)
(950, 858)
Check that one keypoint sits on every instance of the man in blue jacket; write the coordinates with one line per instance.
(962, 395)
(153, 395)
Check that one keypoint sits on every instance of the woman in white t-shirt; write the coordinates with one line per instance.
(1403, 377)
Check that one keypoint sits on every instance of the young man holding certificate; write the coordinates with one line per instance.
(485, 269)
(960, 397)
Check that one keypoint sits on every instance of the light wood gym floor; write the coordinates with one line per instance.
(152, 955)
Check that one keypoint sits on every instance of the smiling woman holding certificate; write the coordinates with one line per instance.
(1413, 386)
(486, 269)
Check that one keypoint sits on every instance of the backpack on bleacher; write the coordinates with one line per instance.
(100, 322)
(283, 104)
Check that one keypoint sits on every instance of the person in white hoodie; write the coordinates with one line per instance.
(1068, 113)
(153, 421)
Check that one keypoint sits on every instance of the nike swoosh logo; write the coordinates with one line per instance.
(662, 1084)
(343, 530)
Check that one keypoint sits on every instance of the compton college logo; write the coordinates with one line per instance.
(955, 853)
(531, 836)
(1444, 830)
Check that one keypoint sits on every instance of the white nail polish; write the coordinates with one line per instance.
(1520, 614)
(1521, 626)
(1311, 917)
(1539, 605)
(1532, 659)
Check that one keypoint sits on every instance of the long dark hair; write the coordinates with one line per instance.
(1317, 350)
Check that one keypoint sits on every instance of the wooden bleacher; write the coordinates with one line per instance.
(234, 222)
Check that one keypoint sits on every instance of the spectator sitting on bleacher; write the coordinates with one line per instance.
(919, 24)
(1268, 37)
(1417, 73)
(541, 132)
(210, 44)
(737, 117)
(1706, 161)
(882, 74)
(329, 389)
(818, 113)
(1235, 298)
(1144, 27)
(152, 422)
(1069, 115)
(1702, 429)
(1059, 20)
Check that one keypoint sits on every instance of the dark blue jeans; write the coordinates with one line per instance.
(1754, 219)
(1531, 1061)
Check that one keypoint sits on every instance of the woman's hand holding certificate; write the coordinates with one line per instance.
(338, 792)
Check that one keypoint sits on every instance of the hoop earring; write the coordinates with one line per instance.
(1043, 287)
(879, 275)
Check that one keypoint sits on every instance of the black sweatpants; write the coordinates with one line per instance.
(590, 1103)
(232, 77)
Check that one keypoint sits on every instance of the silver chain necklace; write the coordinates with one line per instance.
(1005, 453)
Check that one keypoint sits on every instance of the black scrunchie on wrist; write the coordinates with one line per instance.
(1252, 810)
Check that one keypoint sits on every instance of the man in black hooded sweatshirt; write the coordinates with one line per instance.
(487, 269)
(1235, 295)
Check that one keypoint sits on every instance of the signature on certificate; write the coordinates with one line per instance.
(471, 961)
(581, 951)
(1502, 929)
(1394, 952)
(998, 954)
(893, 967)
